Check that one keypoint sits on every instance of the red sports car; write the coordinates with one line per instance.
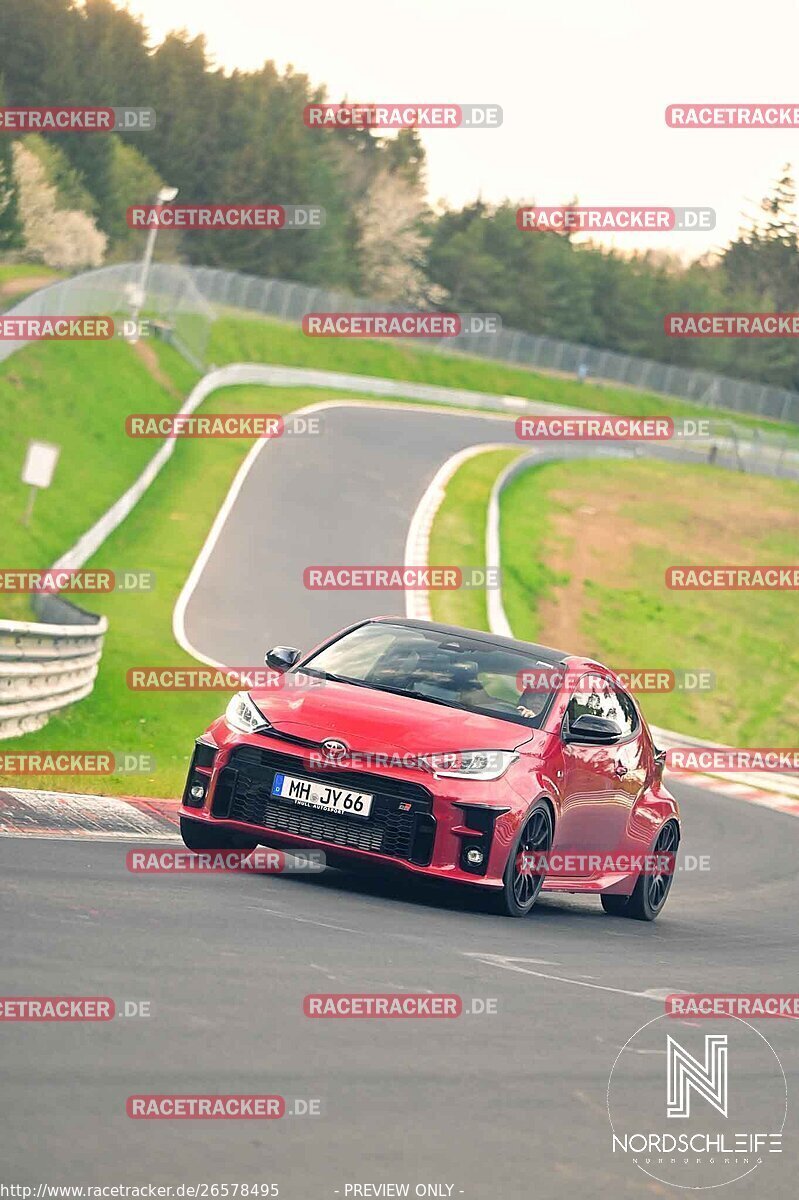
(448, 753)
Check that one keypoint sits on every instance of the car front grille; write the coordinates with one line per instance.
(400, 825)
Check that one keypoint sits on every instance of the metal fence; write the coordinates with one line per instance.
(172, 299)
(291, 301)
(183, 299)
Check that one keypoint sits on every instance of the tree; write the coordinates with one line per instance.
(66, 239)
(10, 225)
(392, 240)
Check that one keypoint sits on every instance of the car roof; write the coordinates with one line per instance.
(544, 654)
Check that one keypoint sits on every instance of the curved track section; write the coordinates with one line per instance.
(345, 496)
(503, 1105)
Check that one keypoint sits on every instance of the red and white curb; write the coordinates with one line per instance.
(40, 814)
(66, 815)
(765, 798)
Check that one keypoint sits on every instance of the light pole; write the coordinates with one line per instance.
(139, 292)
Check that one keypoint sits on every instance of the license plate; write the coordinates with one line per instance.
(321, 795)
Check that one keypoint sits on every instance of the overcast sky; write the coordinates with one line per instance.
(583, 85)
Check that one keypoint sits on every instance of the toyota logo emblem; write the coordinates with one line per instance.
(333, 748)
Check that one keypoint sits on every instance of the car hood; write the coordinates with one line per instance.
(368, 719)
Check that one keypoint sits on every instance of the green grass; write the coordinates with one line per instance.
(12, 271)
(458, 536)
(238, 339)
(76, 394)
(652, 514)
(164, 534)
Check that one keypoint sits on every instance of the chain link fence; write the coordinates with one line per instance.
(182, 300)
(291, 301)
(173, 301)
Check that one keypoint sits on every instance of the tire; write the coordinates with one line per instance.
(651, 891)
(198, 835)
(520, 890)
(614, 905)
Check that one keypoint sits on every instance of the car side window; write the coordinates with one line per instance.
(629, 715)
(589, 699)
(598, 698)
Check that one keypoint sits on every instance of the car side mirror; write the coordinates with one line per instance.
(597, 731)
(282, 658)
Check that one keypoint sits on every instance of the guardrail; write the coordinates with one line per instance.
(44, 668)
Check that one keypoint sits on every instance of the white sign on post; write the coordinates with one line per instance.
(37, 471)
(40, 463)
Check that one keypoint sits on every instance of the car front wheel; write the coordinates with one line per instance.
(520, 887)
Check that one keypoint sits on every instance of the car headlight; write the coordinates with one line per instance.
(243, 714)
(472, 764)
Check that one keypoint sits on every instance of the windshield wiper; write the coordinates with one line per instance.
(336, 678)
(378, 687)
(395, 691)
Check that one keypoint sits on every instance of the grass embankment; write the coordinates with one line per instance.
(584, 549)
(18, 280)
(459, 533)
(78, 396)
(237, 339)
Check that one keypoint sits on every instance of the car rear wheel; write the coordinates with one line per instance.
(520, 887)
(199, 835)
(651, 891)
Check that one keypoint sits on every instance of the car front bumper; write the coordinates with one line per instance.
(419, 823)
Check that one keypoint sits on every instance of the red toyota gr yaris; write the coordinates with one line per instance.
(439, 750)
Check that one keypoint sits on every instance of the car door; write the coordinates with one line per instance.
(592, 812)
(630, 767)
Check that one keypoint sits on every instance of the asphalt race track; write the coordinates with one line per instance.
(345, 496)
(507, 1104)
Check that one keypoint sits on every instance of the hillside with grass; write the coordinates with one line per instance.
(584, 549)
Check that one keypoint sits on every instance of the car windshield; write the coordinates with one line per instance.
(442, 668)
